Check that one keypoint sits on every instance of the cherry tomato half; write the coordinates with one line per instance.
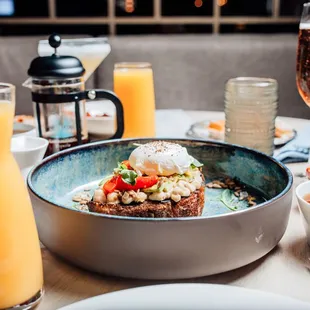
(141, 183)
(110, 186)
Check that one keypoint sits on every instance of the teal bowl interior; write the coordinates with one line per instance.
(58, 176)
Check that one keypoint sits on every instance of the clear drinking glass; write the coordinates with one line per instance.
(251, 106)
(90, 51)
(21, 274)
(303, 56)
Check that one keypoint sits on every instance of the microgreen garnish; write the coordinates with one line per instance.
(128, 176)
(195, 163)
(120, 167)
(229, 200)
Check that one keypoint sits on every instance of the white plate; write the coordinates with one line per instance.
(189, 296)
(24, 129)
(200, 131)
(100, 107)
(101, 126)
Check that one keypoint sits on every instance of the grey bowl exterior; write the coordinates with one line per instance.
(174, 249)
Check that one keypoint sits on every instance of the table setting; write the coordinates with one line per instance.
(125, 206)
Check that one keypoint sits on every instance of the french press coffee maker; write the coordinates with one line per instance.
(59, 95)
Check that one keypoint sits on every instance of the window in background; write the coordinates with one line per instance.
(81, 8)
(260, 28)
(187, 7)
(196, 29)
(46, 30)
(246, 7)
(138, 29)
(134, 7)
(22, 8)
(7, 8)
(292, 7)
(162, 29)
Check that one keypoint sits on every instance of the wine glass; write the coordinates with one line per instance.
(90, 51)
(303, 56)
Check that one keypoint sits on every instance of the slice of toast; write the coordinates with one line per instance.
(186, 207)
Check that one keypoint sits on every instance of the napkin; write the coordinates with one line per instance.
(297, 150)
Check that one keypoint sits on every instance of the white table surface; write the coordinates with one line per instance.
(284, 271)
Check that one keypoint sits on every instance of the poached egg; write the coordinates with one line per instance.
(160, 158)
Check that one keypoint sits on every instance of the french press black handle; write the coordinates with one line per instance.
(109, 95)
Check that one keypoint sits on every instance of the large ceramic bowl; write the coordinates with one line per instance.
(218, 241)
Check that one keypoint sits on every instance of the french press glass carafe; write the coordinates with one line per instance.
(59, 95)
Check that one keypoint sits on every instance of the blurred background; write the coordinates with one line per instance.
(194, 46)
(125, 17)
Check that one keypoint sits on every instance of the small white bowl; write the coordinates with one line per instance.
(97, 125)
(102, 127)
(28, 151)
(304, 207)
(22, 129)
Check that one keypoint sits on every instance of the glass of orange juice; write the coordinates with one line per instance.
(134, 85)
(21, 275)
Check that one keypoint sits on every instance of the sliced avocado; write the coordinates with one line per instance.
(152, 189)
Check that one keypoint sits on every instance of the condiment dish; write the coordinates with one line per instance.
(28, 151)
(302, 190)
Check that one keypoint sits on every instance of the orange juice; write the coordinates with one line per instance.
(134, 85)
(21, 275)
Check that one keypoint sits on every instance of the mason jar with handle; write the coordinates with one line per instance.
(59, 95)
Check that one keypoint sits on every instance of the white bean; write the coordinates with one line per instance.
(99, 196)
(127, 198)
(198, 178)
(181, 183)
(187, 185)
(133, 194)
(183, 191)
(176, 197)
(113, 198)
(158, 196)
(196, 184)
(191, 187)
(140, 197)
(81, 197)
(177, 191)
